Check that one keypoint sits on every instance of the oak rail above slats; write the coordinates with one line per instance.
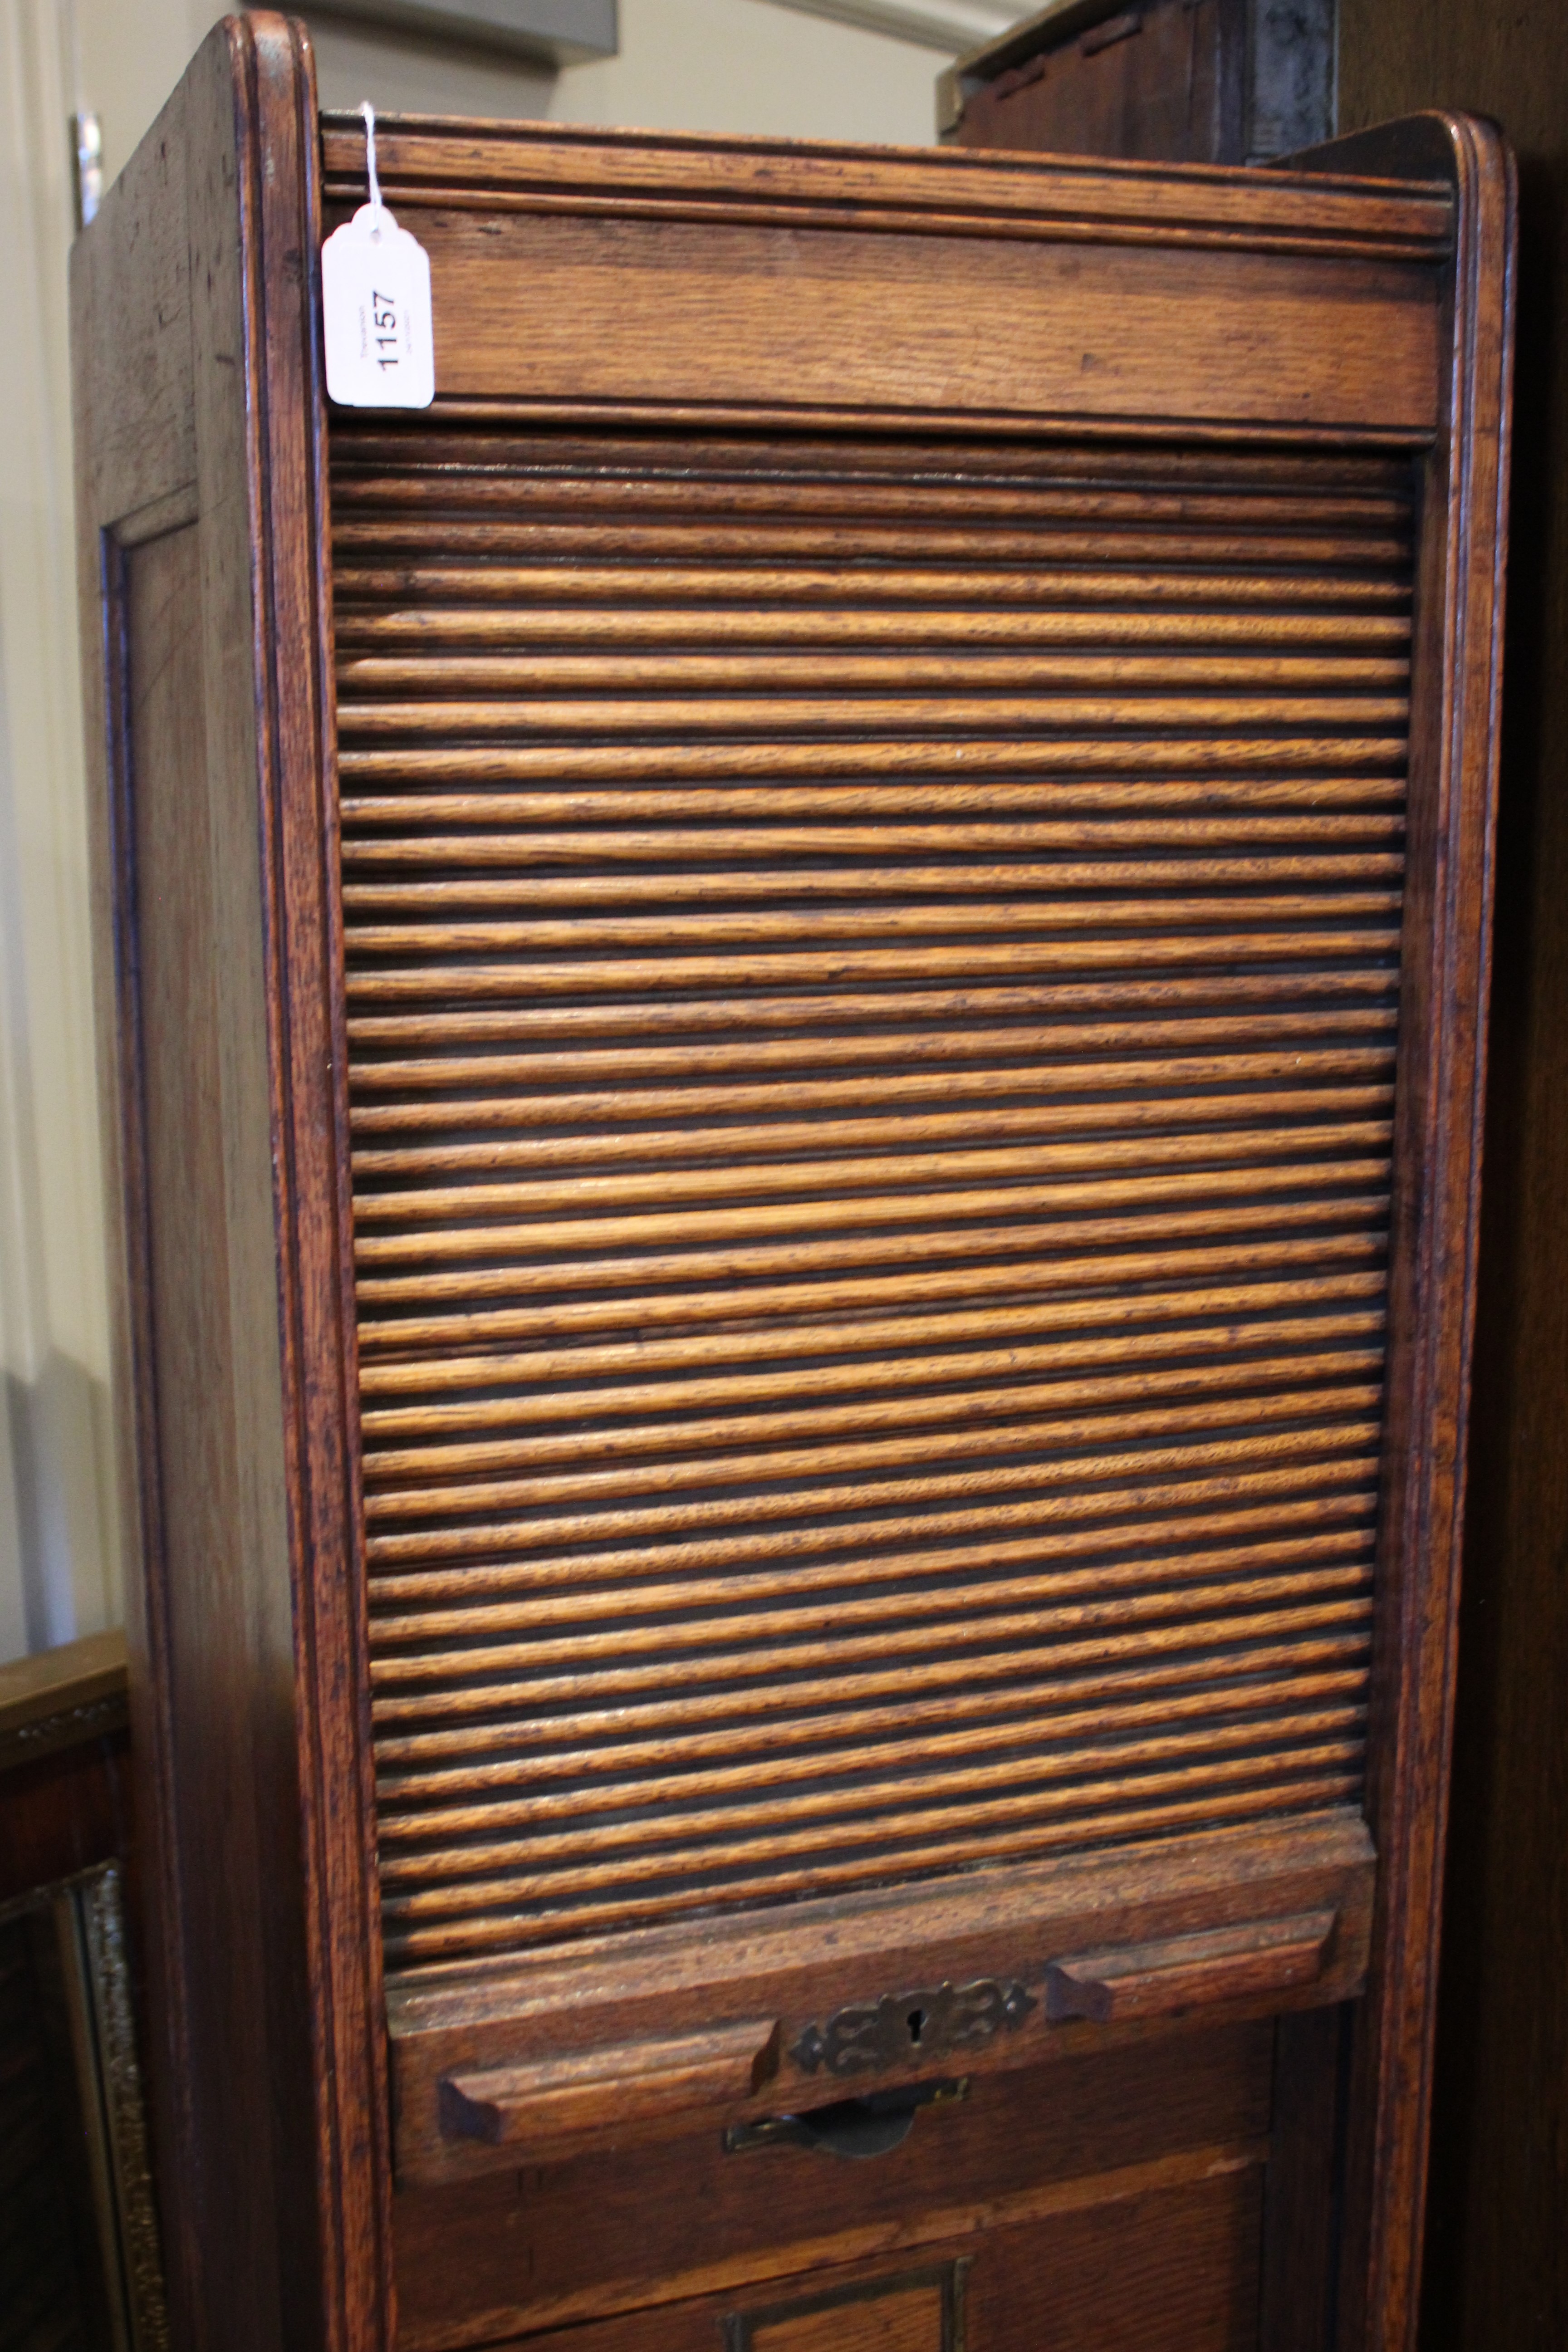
(683, 277)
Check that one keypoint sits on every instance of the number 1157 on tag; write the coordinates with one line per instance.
(375, 300)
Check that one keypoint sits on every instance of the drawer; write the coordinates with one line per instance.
(1175, 2269)
(1037, 2150)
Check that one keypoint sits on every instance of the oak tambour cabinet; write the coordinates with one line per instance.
(792, 1005)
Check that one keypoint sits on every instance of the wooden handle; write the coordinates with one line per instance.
(1266, 1956)
(559, 2103)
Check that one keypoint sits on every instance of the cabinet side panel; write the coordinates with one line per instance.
(200, 551)
(129, 294)
(188, 1101)
(130, 333)
(253, 223)
(228, 338)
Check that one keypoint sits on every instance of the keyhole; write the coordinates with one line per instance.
(917, 2019)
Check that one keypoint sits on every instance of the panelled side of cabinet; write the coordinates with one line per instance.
(206, 695)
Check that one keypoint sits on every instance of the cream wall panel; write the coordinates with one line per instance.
(751, 65)
(748, 66)
(59, 1558)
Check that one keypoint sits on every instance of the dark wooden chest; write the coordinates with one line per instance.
(793, 999)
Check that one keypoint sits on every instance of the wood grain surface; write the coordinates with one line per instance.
(724, 279)
(1455, 734)
(1273, 1956)
(745, 1519)
(65, 1767)
(1165, 82)
(1167, 2266)
(547, 2243)
(501, 167)
(808, 985)
(200, 551)
(1496, 2264)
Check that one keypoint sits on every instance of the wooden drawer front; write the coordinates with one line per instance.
(542, 2246)
(872, 976)
(1177, 2272)
(1173, 2271)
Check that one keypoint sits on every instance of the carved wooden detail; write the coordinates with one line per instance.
(1273, 1956)
(558, 2104)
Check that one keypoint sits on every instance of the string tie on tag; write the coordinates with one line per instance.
(368, 110)
(377, 314)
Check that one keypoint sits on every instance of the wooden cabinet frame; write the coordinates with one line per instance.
(1287, 309)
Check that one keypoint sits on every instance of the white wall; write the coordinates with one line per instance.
(59, 1558)
(749, 65)
(684, 65)
(701, 65)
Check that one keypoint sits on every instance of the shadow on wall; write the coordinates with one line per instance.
(63, 1578)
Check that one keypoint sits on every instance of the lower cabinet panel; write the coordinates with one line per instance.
(1176, 2270)
(1107, 2200)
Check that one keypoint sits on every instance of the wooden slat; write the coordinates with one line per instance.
(536, 1602)
(584, 893)
(571, 1257)
(1103, 757)
(443, 442)
(882, 801)
(555, 1857)
(986, 1122)
(544, 1376)
(1251, 1179)
(439, 531)
(443, 1759)
(647, 1457)
(489, 1915)
(872, 1008)
(842, 492)
(970, 1764)
(1242, 611)
(935, 1168)
(678, 849)
(620, 1506)
(1099, 1074)
(620, 1545)
(656, 1306)
(944, 715)
(712, 1762)
(459, 1743)
(401, 677)
(866, 1599)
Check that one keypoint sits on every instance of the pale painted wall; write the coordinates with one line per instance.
(58, 1558)
(701, 65)
(684, 65)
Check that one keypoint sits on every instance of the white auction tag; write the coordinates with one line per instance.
(376, 310)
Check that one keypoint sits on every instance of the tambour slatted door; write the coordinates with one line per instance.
(871, 1104)
(793, 1001)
